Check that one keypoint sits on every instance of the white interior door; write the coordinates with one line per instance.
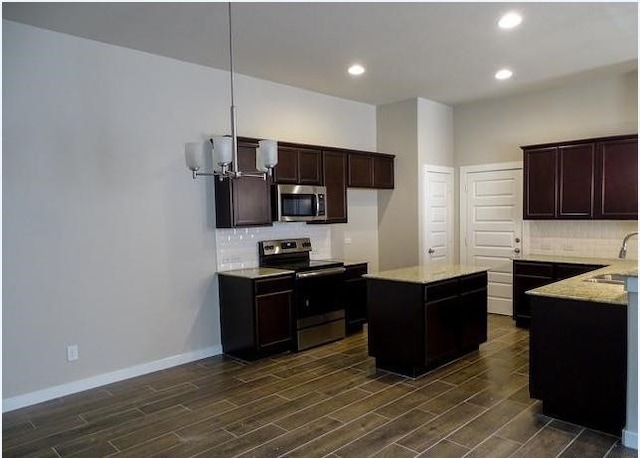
(491, 226)
(438, 217)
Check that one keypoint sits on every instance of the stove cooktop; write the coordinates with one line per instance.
(306, 265)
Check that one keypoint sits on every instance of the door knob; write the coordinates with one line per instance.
(431, 251)
(517, 239)
(516, 250)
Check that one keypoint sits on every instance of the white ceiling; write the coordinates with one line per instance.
(446, 52)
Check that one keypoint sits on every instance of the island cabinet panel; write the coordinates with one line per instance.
(578, 361)
(442, 320)
(244, 201)
(415, 327)
(256, 315)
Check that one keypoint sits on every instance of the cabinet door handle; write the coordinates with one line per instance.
(516, 250)
(431, 251)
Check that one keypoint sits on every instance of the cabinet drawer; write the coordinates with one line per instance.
(538, 269)
(356, 271)
(473, 282)
(441, 290)
(274, 285)
(571, 270)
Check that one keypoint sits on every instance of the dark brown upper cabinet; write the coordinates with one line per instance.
(360, 170)
(616, 193)
(244, 201)
(371, 171)
(582, 179)
(540, 177)
(383, 172)
(576, 178)
(334, 168)
(247, 201)
(298, 166)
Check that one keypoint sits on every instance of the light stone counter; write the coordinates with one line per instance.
(426, 274)
(569, 259)
(578, 289)
(256, 272)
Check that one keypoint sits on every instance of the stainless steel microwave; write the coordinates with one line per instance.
(292, 202)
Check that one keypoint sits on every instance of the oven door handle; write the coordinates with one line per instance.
(320, 273)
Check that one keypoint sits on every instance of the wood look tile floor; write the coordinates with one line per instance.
(328, 401)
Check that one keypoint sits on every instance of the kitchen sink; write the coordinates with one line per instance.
(612, 279)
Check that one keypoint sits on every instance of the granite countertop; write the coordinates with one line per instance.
(578, 289)
(569, 259)
(426, 274)
(255, 272)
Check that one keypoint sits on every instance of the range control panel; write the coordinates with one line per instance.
(272, 247)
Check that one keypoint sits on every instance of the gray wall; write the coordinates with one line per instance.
(420, 132)
(107, 241)
(398, 223)
(493, 130)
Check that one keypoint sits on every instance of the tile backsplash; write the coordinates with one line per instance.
(238, 248)
(599, 239)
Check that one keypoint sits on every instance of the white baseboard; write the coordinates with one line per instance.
(47, 394)
(630, 439)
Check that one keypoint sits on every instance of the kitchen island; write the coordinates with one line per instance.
(578, 359)
(424, 316)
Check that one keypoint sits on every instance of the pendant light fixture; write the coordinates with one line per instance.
(225, 148)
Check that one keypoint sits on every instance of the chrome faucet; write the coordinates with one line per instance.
(623, 249)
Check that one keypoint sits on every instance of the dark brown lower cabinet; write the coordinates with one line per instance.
(355, 288)
(415, 327)
(533, 274)
(256, 315)
(578, 361)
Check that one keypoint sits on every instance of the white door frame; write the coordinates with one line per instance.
(464, 173)
(424, 242)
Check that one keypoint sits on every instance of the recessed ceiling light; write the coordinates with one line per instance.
(356, 70)
(510, 20)
(503, 74)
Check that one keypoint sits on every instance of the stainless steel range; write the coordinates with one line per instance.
(319, 298)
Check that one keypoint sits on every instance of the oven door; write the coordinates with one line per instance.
(319, 292)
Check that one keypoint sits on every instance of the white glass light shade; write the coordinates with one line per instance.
(222, 150)
(266, 155)
(503, 74)
(510, 20)
(193, 155)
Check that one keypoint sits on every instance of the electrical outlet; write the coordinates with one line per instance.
(72, 353)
